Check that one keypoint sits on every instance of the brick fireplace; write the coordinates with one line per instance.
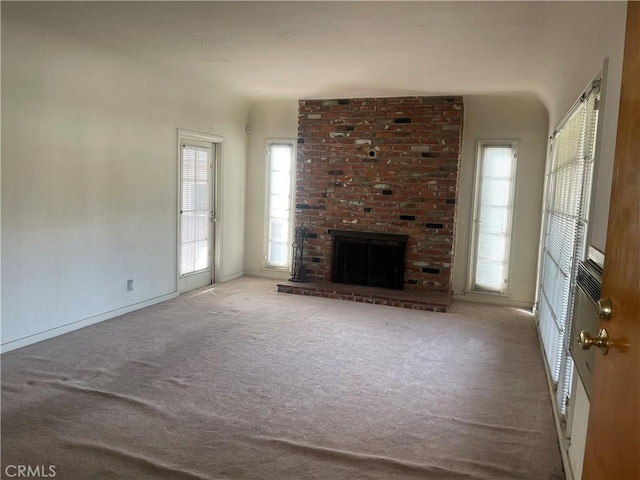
(381, 166)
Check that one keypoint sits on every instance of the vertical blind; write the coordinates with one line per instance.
(568, 183)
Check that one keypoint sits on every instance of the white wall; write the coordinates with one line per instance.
(89, 180)
(522, 118)
(599, 33)
(275, 119)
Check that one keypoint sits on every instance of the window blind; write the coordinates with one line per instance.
(194, 209)
(568, 181)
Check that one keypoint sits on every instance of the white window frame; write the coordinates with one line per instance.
(293, 144)
(481, 144)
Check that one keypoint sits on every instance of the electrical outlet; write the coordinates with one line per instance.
(129, 285)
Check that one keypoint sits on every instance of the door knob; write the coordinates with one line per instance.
(601, 341)
(604, 308)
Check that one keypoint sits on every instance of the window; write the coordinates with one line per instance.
(568, 188)
(195, 207)
(493, 211)
(280, 156)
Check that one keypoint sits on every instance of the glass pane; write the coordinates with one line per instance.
(280, 183)
(188, 227)
(280, 203)
(202, 162)
(188, 257)
(202, 196)
(201, 221)
(497, 162)
(278, 253)
(489, 276)
(280, 214)
(188, 196)
(188, 163)
(279, 231)
(494, 219)
(496, 191)
(201, 255)
(281, 157)
(491, 248)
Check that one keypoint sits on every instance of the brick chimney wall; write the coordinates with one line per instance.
(381, 165)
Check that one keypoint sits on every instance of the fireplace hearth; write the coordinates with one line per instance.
(368, 258)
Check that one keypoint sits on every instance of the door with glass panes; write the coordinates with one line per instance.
(196, 215)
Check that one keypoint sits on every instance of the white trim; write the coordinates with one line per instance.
(491, 299)
(78, 324)
(199, 137)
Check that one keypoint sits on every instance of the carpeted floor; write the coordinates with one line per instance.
(240, 382)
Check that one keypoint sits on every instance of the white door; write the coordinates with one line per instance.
(196, 215)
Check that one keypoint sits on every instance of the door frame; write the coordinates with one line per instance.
(217, 143)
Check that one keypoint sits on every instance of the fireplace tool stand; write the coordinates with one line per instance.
(299, 272)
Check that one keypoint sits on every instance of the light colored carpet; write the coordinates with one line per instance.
(241, 382)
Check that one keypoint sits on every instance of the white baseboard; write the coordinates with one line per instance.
(70, 327)
(233, 276)
(491, 299)
(269, 273)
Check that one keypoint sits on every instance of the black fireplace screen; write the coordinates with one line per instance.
(367, 258)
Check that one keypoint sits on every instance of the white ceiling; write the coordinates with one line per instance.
(343, 49)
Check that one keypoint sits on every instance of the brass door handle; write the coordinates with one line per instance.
(605, 308)
(601, 341)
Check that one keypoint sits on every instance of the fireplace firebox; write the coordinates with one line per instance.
(368, 258)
